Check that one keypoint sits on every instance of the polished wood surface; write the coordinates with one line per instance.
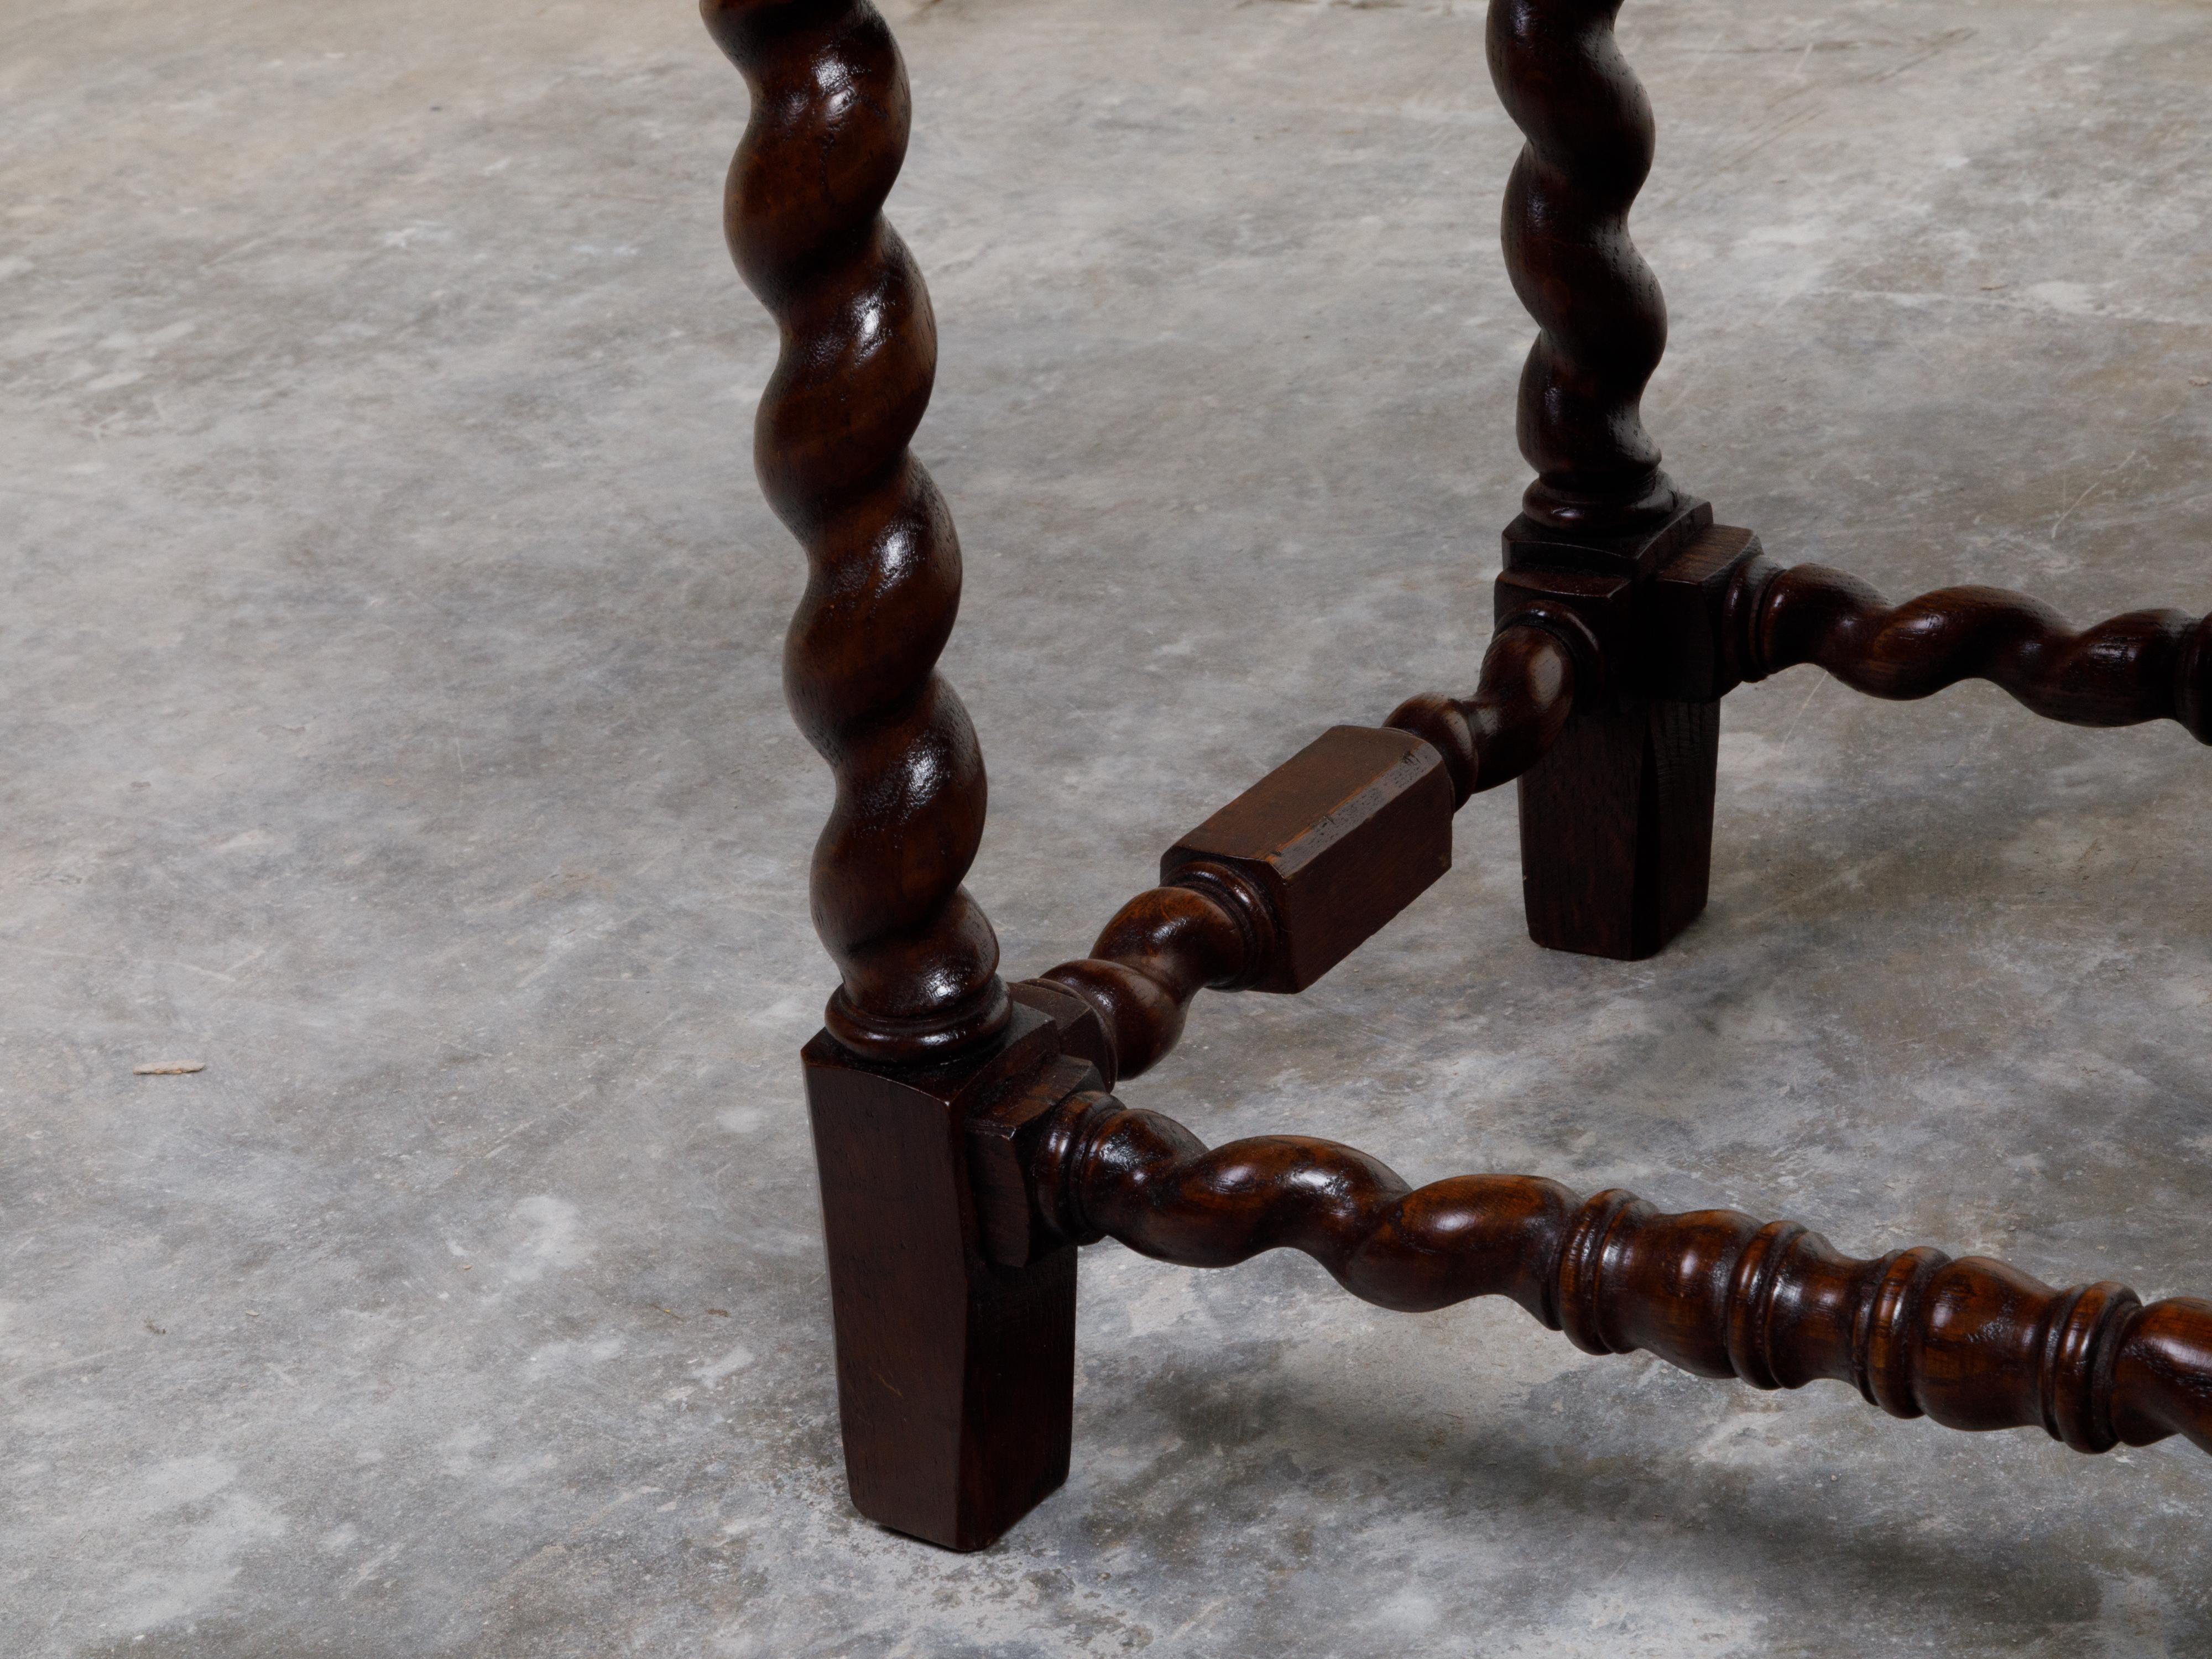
(1602, 321)
(1338, 840)
(1279, 886)
(1158, 952)
(802, 213)
(956, 1362)
(1617, 829)
(965, 1137)
(2145, 666)
(1972, 1343)
(1522, 700)
(1617, 822)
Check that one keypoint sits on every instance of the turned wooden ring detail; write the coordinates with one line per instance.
(826, 138)
(1213, 928)
(1971, 1343)
(1207, 929)
(2145, 666)
(1522, 700)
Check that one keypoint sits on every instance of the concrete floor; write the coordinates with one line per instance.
(392, 722)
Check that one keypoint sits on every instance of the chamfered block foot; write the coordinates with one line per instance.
(956, 1373)
(1617, 829)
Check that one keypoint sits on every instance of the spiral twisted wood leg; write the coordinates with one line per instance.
(1972, 1343)
(1603, 322)
(964, 1144)
(2145, 666)
(954, 1377)
(827, 135)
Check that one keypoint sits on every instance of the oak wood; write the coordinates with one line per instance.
(1004, 1128)
(956, 1373)
(964, 1135)
(1522, 697)
(1635, 552)
(1617, 829)
(826, 137)
(1159, 950)
(1972, 1343)
(1616, 823)
(1602, 322)
(1340, 838)
(1083, 1032)
(2145, 666)
(1365, 799)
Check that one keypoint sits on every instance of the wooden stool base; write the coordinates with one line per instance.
(966, 1140)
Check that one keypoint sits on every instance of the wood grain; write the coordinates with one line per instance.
(1521, 699)
(1281, 886)
(956, 1362)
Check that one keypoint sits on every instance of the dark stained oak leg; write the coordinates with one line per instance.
(963, 1137)
(1972, 1343)
(827, 135)
(1616, 817)
(1617, 829)
(1601, 320)
(956, 1373)
(1616, 823)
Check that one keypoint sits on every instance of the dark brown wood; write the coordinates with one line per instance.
(1083, 1029)
(1617, 822)
(1268, 894)
(1529, 545)
(1158, 953)
(956, 1371)
(1617, 829)
(1522, 700)
(1687, 634)
(1602, 321)
(2145, 666)
(827, 134)
(1340, 838)
(964, 1135)
(1972, 1344)
(1004, 1131)
(1333, 843)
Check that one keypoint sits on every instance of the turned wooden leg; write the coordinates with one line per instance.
(1616, 823)
(955, 1374)
(963, 1142)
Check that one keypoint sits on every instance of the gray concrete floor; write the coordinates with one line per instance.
(392, 722)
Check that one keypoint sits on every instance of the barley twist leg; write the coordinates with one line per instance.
(827, 135)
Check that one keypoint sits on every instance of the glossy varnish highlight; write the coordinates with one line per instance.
(966, 1140)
